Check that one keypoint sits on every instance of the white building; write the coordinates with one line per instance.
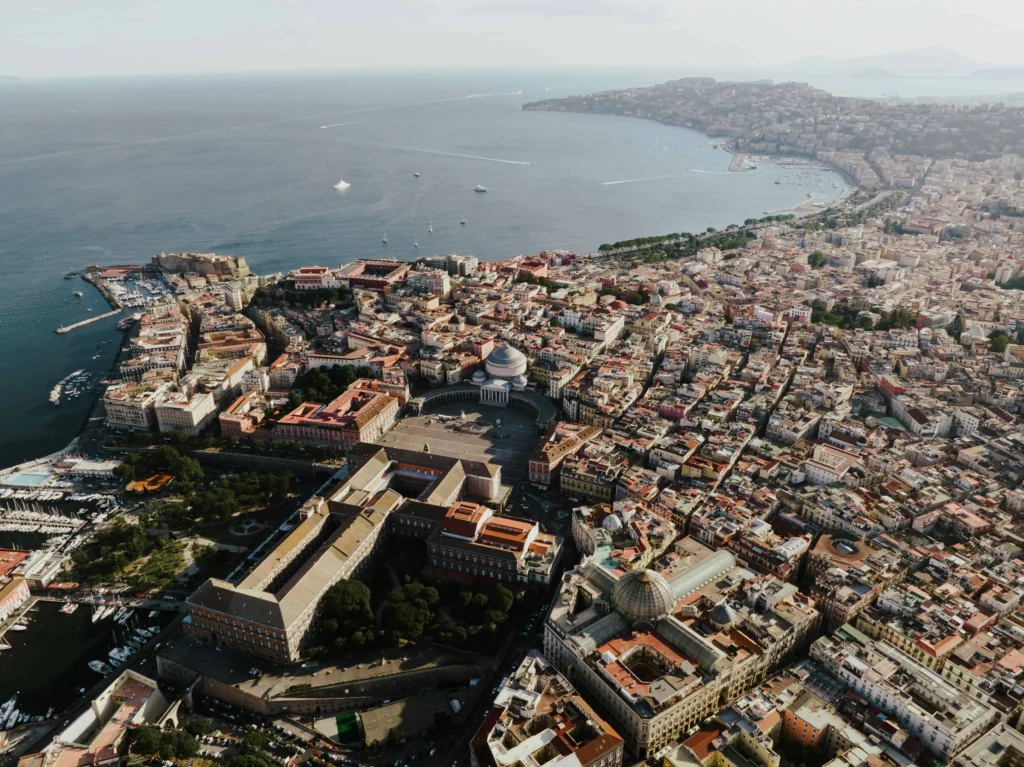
(181, 412)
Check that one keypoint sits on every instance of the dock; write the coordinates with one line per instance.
(68, 328)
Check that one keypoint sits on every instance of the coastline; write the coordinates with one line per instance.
(95, 407)
(738, 159)
(726, 143)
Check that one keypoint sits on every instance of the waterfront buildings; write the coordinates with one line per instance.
(180, 411)
(96, 737)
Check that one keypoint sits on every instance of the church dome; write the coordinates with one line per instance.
(479, 377)
(506, 362)
(612, 523)
(723, 616)
(519, 383)
(643, 595)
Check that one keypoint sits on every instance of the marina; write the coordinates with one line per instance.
(49, 664)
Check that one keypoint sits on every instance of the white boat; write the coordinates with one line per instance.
(119, 654)
(78, 294)
(430, 226)
(153, 613)
(416, 174)
(12, 719)
(384, 239)
(479, 188)
(342, 185)
(415, 244)
(7, 708)
(99, 667)
(19, 627)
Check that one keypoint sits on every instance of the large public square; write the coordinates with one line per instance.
(505, 436)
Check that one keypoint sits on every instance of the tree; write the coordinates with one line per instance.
(254, 739)
(502, 598)
(195, 725)
(495, 617)
(998, 341)
(816, 260)
(442, 720)
(146, 739)
(555, 322)
(394, 738)
(130, 468)
(346, 599)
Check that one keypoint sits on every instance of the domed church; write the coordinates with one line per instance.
(506, 370)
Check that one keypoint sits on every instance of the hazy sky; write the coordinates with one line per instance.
(57, 38)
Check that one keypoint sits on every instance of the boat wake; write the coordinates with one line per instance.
(354, 122)
(439, 152)
(636, 180)
(342, 185)
(711, 172)
(245, 126)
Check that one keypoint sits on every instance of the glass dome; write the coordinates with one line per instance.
(643, 595)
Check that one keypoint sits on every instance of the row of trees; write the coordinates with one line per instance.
(410, 613)
(181, 743)
(285, 293)
(110, 552)
(186, 471)
(325, 384)
(845, 316)
(640, 243)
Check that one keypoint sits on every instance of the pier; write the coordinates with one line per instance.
(68, 328)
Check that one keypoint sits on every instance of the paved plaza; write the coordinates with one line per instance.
(504, 436)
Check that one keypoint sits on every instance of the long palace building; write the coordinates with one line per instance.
(271, 610)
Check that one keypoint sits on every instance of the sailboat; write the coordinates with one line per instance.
(384, 239)
(430, 226)
(415, 244)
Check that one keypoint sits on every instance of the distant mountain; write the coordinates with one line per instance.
(875, 73)
(933, 59)
(1001, 73)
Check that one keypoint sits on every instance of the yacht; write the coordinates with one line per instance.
(19, 627)
(99, 667)
(416, 174)
(415, 244)
(12, 719)
(479, 188)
